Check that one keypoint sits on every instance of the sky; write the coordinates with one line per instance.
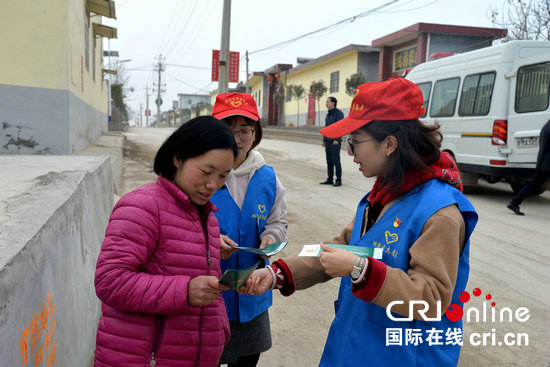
(185, 32)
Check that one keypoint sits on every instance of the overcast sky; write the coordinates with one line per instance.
(186, 31)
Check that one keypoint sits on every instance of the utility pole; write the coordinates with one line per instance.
(159, 67)
(147, 106)
(247, 87)
(224, 49)
(140, 114)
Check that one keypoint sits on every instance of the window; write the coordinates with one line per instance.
(288, 93)
(477, 91)
(444, 97)
(426, 89)
(334, 81)
(533, 88)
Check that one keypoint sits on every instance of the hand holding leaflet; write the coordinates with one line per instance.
(269, 250)
(236, 278)
(315, 250)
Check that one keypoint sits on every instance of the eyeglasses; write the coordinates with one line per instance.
(244, 135)
(352, 143)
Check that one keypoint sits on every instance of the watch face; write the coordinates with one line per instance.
(355, 274)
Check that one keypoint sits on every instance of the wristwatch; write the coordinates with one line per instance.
(356, 271)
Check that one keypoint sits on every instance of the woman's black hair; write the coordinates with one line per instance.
(258, 131)
(195, 137)
(418, 147)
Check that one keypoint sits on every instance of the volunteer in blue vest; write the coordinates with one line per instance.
(252, 213)
(417, 214)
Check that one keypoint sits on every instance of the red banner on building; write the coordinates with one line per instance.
(233, 66)
(215, 65)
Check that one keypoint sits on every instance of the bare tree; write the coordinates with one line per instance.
(524, 19)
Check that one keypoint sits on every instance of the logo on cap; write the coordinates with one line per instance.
(235, 101)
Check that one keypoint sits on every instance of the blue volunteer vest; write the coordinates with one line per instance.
(358, 332)
(244, 227)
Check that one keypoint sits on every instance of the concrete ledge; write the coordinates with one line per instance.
(110, 144)
(310, 135)
(53, 214)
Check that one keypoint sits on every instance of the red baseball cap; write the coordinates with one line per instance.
(235, 104)
(391, 100)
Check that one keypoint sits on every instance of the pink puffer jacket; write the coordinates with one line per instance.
(154, 245)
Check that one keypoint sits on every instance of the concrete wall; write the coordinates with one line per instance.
(346, 63)
(456, 43)
(46, 121)
(367, 64)
(48, 92)
(53, 214)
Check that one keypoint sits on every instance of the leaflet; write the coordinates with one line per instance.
(315, 250)
(269, 250)
(236, 278)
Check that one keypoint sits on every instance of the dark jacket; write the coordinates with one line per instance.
(543, 159)
(333, 116)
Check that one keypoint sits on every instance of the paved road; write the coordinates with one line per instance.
(510, 255)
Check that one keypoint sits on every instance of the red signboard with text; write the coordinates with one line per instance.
(233, 66)
(215, 65)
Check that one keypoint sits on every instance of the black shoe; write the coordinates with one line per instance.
(337, 183)
(327, 182)
(515, 208)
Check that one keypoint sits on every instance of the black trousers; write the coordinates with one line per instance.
(532, 187)
(332, 152)
(245, 361)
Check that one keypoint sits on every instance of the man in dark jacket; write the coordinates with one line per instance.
(542, 172)
(333, 146)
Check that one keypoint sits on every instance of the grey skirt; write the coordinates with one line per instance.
(253, 337)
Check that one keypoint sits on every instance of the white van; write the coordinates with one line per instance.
(491, 104)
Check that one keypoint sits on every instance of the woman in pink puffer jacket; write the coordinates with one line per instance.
(158, 270)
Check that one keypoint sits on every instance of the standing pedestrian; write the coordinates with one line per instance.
(252, 213)
(333, 146)
(542, 171)
(158, 269)
(417, 214)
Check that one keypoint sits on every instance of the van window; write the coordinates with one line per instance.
(444, 97)
(532, 88)
(477, 90)
(426, 89)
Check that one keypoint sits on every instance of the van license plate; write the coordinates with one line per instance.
(529, 142)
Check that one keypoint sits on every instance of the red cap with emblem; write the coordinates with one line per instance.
(392, 100)
(235, 104)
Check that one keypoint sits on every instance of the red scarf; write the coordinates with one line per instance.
(444, 169)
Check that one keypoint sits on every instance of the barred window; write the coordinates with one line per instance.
(475, 99)
(334, 81)
(533, 88)
(444, 97)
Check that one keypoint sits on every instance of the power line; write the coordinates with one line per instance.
(169, 25)
(185, 23)
(198, 30)
(189, 66)
(347, 20)
(178, 25)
